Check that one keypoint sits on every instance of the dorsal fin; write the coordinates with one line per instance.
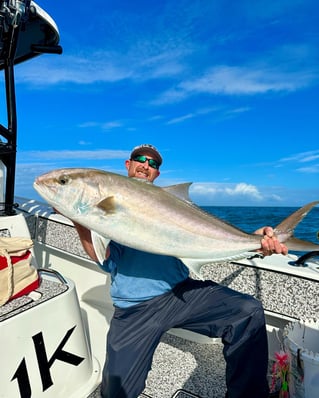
(179, 190)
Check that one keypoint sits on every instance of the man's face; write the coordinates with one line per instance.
(141, 170)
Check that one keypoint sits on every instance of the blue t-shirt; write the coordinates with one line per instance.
(138, 276)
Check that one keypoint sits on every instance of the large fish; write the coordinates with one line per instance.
(143, 216)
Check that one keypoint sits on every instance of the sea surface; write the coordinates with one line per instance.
(250, 219)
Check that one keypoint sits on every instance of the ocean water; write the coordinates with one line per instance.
(250, 219)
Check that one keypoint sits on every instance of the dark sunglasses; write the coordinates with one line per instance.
(142, 159)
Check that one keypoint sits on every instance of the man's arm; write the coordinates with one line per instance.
(87, 243)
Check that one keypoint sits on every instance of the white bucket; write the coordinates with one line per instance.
(302, 342)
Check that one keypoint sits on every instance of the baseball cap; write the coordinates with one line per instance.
(147, 149)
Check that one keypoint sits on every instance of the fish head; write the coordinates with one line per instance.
(73, 192)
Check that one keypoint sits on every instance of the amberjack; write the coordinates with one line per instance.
(141, 215)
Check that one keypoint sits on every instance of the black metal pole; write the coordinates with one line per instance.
(11, 150)
(8, 148)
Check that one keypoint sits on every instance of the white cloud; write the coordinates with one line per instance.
(101, 66)
(181, 118)
(302, 157)
(238, 110)
(111, 125)
(241, 80)
(244, 189)
(70, 154)
(297, 158)
(227, 189)
(310, 158)
(141, 63)
(197, 113)
(309, 170)
(240, 194)
(104, 126)
(88, 124)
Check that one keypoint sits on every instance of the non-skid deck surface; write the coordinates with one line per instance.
(184, 369)
(184, 394)
(180, 364)
(178, 394)
(47, 290)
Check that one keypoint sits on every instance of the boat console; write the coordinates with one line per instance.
(45, 350)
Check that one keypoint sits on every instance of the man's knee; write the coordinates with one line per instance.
(252, 306)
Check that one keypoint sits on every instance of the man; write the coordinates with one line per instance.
(154, 293)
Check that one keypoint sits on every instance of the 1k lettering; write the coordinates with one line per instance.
(44, 364)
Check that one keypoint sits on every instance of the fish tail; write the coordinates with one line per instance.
(285, 230)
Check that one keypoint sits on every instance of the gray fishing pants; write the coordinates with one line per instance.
(200, 306)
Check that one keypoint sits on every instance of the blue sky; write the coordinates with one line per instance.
(227, 90)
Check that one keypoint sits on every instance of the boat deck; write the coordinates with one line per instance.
(182, 368)
(185, 364)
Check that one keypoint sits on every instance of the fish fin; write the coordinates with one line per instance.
(300, 245)
(107, 204)
(179, 190)
(195, 265)
(287, 226)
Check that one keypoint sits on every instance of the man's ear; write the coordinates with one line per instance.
(127, 164)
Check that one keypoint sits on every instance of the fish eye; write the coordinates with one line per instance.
(64, 179)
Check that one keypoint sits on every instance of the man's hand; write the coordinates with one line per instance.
(269, 242)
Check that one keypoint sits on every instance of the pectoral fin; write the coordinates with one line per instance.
(107, 204)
